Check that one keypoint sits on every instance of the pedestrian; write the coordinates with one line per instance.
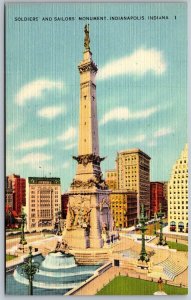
(160, 284)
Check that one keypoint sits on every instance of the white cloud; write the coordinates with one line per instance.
(123, 113)
(36, 89)
(36, 143)
(139, 138)
(152, 143)
(138, 63)
(124, 140)
(12, 127)
(34, 158)
(162, 132)
(66, 165)
(70, 146)
(69, 134)
(50, 112)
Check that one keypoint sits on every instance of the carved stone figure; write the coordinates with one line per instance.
(85, 159)
(87, 37)
(86, 215)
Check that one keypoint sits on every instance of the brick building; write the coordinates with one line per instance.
(64, 205)
(15, 192)
(157, 197)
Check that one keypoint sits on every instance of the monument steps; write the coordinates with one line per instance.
(171, 268)
(91, 258)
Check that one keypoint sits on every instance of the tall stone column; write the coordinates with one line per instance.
(84, 224)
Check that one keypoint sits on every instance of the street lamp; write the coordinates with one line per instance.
(143, 219)
(155, 224)
(59, 231)
(23, 241)
(30, 268)
(160, 214)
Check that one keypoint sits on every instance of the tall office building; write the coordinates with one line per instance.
(43, 201)
(124, 208)
(16, 185)
(111, 179)
(123, 202)
(178, 194)
(133, 171)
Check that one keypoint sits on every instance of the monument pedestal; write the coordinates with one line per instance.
(160, 293)
(96, 243)
(77, 238)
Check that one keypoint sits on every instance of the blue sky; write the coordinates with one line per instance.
(141, 85)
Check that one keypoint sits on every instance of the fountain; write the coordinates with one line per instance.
(58, 273)
(57, 260)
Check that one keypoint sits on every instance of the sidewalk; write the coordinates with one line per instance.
(98, 283)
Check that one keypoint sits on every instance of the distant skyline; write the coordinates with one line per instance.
(141, 85)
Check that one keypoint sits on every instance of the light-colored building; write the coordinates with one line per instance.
(178, 194)
(43, 201)
(124, 208)
(133, 171)
(111, 179)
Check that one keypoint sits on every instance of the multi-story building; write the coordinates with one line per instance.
(124, 208)
(133, 172)
(111, 179)
(157, 197)
(9, 194)
(178, 194)
(16, 186)
(165, 195)
(64, 205)
(43, 201)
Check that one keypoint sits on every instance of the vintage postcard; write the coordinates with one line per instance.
(96, 149)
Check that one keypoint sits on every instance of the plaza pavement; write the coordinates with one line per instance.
(47, 244)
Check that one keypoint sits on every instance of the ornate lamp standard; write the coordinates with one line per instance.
(160, 214)
(23, 241)
(143, 255)
(155, 224)
(30, 268)
(59, 231)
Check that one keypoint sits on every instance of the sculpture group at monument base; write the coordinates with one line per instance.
(87, 218)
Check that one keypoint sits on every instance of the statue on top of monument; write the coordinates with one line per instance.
(87, 37)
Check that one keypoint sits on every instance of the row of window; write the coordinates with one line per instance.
(185, 197)
(44, 198)
(179, 207)
(178, 213)
(175, 202)
(182, 218)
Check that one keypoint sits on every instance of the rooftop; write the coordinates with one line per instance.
(134, 150)
(35, 180)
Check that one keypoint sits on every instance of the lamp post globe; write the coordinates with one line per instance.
(23, 241)
(160, 215)
(143, 219)
(29, 269)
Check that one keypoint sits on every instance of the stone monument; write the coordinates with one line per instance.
(88, 205)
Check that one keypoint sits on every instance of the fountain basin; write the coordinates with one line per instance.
(58, 273)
